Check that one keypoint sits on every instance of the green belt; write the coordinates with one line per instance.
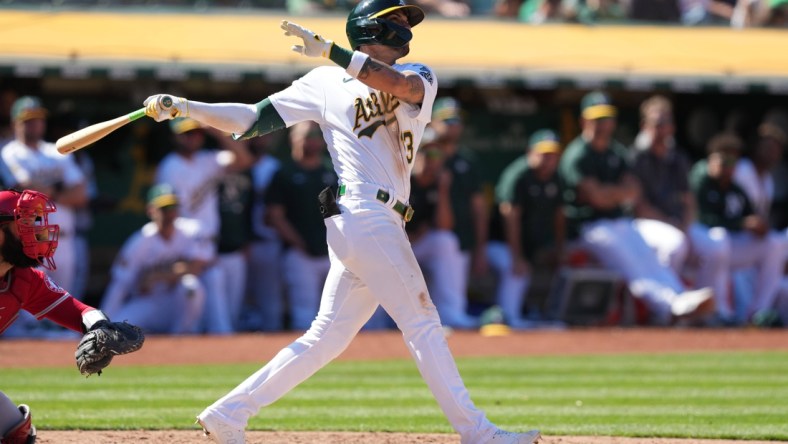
(406, 211)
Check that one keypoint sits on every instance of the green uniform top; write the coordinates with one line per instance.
(504, 189)
(464, 184)
(580, 161)
(235, 204)
(718, 206)
(296, 189)
(539, 200)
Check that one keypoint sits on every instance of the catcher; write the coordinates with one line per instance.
(27, 240)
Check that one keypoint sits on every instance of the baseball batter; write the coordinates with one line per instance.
(372, 112)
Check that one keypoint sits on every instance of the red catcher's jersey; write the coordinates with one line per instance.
(28, 289)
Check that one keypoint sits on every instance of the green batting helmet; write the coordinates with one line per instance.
(366, 25)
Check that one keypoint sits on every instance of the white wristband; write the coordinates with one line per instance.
(356, 63)
(91, 317)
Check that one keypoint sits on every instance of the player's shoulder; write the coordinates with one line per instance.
(23, 279)
(148, 230)
(27, 274)
(419, 68)
(187, 226)
(12, 148)
(323, 74)
(50, 149)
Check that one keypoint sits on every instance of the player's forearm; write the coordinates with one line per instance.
(382, 77)
(379, 75)
(233, 118)
(69, 313)
(481, 219)
(511, 219)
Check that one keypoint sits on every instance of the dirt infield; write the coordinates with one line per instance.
(261, 347)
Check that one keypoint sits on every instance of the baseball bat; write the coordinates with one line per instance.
(84, 137)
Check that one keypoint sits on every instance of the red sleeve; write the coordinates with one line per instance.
(44, 299)
(69, 313)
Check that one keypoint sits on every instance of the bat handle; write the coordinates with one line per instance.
(136, 114)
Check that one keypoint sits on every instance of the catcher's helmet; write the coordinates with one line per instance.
(366, 25)
(30, 210)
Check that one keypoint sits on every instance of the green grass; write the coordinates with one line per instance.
(713, 395)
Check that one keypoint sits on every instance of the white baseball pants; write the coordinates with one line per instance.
(512, 288)
(738, 251)
(668, 242)
(173, 311)
(438, 253)
(371, 263)
(232, 272)
(617, 244)
(265, 283)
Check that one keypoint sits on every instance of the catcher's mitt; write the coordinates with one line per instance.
(104, 340)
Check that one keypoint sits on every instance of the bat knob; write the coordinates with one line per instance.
(165, 102)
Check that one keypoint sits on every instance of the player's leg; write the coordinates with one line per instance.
(713, 249)
(668, 242)
(265, 283)
(512, 288)
(153, 313)
(345, 306)
(767, 255)
(233, 266)
(378, 252)
(303, 284)
(15, 423)
(619, 247)
(216, 316)
(188, 302)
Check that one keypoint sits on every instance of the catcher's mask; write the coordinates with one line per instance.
(366, 25)
(30, 210)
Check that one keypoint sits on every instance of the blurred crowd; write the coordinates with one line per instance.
(735, 13)
(236, 241)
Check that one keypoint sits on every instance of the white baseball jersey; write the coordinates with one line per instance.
(147, 251)
(43, 167)
(195, 181)
(375, 140)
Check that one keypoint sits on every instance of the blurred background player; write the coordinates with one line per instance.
(36, 165)
(468, 204)
(666, 208)
(530, 204)
(236, 197)
(294, 213)
(154, 280)
(195, 173)
(600, 190)
(729, 218)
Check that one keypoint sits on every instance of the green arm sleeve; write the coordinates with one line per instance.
(268, 121)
